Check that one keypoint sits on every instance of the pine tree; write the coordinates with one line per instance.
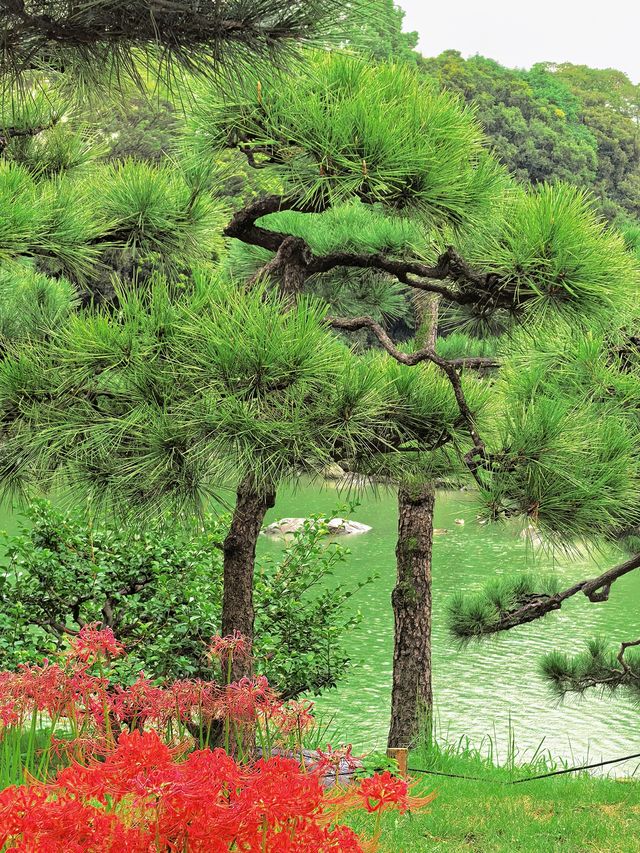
(201, 377)
(347, 133)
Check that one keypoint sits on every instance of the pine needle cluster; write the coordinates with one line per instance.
(113, 39)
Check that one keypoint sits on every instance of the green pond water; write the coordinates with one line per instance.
(484, 691)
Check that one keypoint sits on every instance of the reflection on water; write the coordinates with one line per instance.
(484, 688)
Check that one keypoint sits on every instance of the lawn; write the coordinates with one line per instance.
(570, 813)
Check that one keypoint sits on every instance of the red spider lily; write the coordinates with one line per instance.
(94, 643)
(140, 798)
(277, 788)
(43, 688)
(138, 758)
(293, 716)
(151, 801)
(9, 715)
(30, 821)
(340, 760)
(137, 794)
(204, 698)
(245, 700)
(142, 701)
(236, 645)
(385, 790)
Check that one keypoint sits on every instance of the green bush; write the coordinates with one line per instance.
(160, 588)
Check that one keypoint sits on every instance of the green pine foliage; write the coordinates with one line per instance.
(55, 150)
(165, 402)
(570, 462)
(212, 39)
(570, 468)
(154, 209)
(32, 305)
(149, 217)
(350, 227)
(473, 616)
(550, 248)
(461, 345)
(597, 667)
(346, 129)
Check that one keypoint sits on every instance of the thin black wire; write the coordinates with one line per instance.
(527, 778)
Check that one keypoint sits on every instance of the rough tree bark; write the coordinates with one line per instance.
(411, 698)
(411, 701)
(239, 549)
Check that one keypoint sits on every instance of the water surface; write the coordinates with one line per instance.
(484, 689)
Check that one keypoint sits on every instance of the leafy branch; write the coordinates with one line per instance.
(410, 359)
(486, 613)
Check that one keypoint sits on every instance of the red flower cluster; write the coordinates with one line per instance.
(234, 645)
(141, 799)
(384, 790)
(128, 785)
(338, 760)
(77, 691)
(94, 644)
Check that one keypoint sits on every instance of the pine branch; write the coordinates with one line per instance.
(353, 324)
(9, 133)
(243, 223)
(479, 362)
(474, 286)
(597, 668)
(200, 37)
(623, 648)
(536, 605)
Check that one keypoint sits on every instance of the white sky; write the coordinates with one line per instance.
(599, 33)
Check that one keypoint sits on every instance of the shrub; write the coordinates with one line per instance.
(160, 589)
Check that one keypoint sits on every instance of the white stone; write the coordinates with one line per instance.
(335, 526)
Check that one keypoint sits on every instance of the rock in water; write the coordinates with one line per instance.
(333, 472)
(335, 527)
(340, 526)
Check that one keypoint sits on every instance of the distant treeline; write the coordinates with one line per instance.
(554, 122)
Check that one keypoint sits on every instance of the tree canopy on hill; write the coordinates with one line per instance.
(551, 123)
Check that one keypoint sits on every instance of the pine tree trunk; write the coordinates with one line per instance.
(239, 550)
(411, 700)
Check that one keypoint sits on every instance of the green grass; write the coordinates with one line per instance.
(574, 813)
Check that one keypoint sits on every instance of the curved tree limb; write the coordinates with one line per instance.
(474, 286)
(623, 648)
(596, 590)
(353, 324)
(243, 223)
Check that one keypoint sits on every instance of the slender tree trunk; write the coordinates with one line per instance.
(239, 550)
(411, 698)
